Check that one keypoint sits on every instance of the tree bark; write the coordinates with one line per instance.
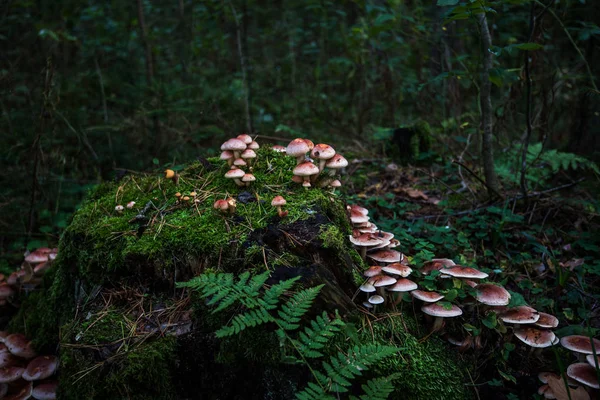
(487, 145)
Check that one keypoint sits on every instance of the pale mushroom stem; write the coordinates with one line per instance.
(230, 162)
(438, 323)
(300, 159)
(322, 165)
(363, 252)
(236, 154)
(239, 182)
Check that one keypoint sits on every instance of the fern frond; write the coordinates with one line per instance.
(240, 322)
(315, 337)
(296, 307)
(271, 297)
(313, 392)
(379, 388)
(341, 368)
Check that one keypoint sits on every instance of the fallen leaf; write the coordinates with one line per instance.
(560, 391)
(572, 264)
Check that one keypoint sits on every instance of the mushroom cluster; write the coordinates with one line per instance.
(306, 171)
(28, 276)
(584, 371)
(239, 153)
(21, 369)
(225, 206)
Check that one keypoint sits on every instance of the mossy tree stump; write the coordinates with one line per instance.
(126, 332)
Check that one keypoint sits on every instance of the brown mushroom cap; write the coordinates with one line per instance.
(436, 264)
(366, 239)
(239, 162)
(358, 218)
(278, 201)
(37, 256)
(45, 390)
(255, 146)
(278, 148)
(248, 153)
(226, 155)
(335, 183)
(233, 145)
(546, 320)
(12, 373)
(336, 162)
(297, 148)
(591, 359)
(235, 173)
(306, 169)
(403, 285)
(40, 368)
(386, 256)
(248, 178)
(24, 391)
(6, 291)
(535, 337)
(428, 297)
(437, 310)
(584, 373)
(322, 151)
(459, 271)
(18, 345)
(358, 208)
(580, 344)
(382, 280)
(372, 271)
(244, 137)
(520, 315)
(492, 295)
(398, 269)
(7, 359)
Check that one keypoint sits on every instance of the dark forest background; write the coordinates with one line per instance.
(92, 89)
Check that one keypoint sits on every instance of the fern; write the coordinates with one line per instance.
(378, 388)
(262, 306)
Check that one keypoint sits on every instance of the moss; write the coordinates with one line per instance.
(428, 370)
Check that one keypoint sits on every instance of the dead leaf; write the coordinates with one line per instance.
(560, 391)
(572, 264)
(415, 194)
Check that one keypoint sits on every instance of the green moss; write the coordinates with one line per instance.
(428, 369)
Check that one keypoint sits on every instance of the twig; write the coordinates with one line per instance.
(478, 178)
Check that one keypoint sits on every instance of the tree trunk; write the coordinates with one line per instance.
(244, 67)
(487, 145)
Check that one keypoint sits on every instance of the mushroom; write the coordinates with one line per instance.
(10, 373)
(306, 170)
(298, 148)
(227, 155)
(40, 368)
(172, 175)
(398, 269)
(492, 295)
(363, 241)
(119, 208)
(278, 148)
(335, 163)
(440, 312)
(386, 256)
(45, 391)
(546, 321)
(221, 205)
(253, 145)
(584, 373)
(580, 344)
(322, 152)
(279, 202)
(249, 155)
(520, 315)
(427, 297)
(535, 337)
(459, 271)
(247, 139)
(372, 271)
(235, 174)
(130, 204)
(234, 145)
(18, 345)
(247, 179)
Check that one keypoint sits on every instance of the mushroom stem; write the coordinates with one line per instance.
(438, 323)
(239, 182)
(300, 159)
(322, 165)
(363, 252)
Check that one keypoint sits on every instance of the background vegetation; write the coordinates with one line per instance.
(91, 90)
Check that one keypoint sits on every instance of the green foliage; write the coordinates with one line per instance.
(263, 306)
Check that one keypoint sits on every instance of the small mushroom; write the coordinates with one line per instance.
(222, 206)
(279, 202)
(235, 174)
(298, 148)
(440, 312)
(172, 175)
(247, 179)
(119, 208)
(130, 204)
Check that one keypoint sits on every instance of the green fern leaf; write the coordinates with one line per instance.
(293, 310)
(379, 388)
(313, 392)
(271, 296)
(240, 322)
(311, 340)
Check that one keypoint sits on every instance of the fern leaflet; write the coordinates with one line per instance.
(296, 307)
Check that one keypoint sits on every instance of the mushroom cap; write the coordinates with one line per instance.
(358, 218)
(39, 269)
(12, 373)
(459, 271)
(403, 285)
(386, 256)
(297, 147)
(546, 320)
(336, 183)
(580, 344)
(240, 162)
(398, 269)
(233, 145)
(436, 264)
(366, 239)
(367, 288)
(520, 315)
(367, 304)
(376, 299)
(591, 359)
(322, 151)
(247, 139)
(45, 390)
(40, 368)
(6, 291)
(382, 280)
(543, 376)
(221, 205)
(492, 295)
(254, 145)
(235, 173)
(535, 337)
(278, 148)
(7, 359)
(355, 207)
(248, 178)
(584, 373)
(309, 143)
(297, 179)
(427, 297)
(305, 168)
(226, 155)
(18, 345)
(437, 310)
(37, 256)
(336, 162)
(306, 184)
(372, 271)
(546, 391)
(248, 153)
(278, 201)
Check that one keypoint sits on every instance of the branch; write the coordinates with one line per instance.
(489, 188)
